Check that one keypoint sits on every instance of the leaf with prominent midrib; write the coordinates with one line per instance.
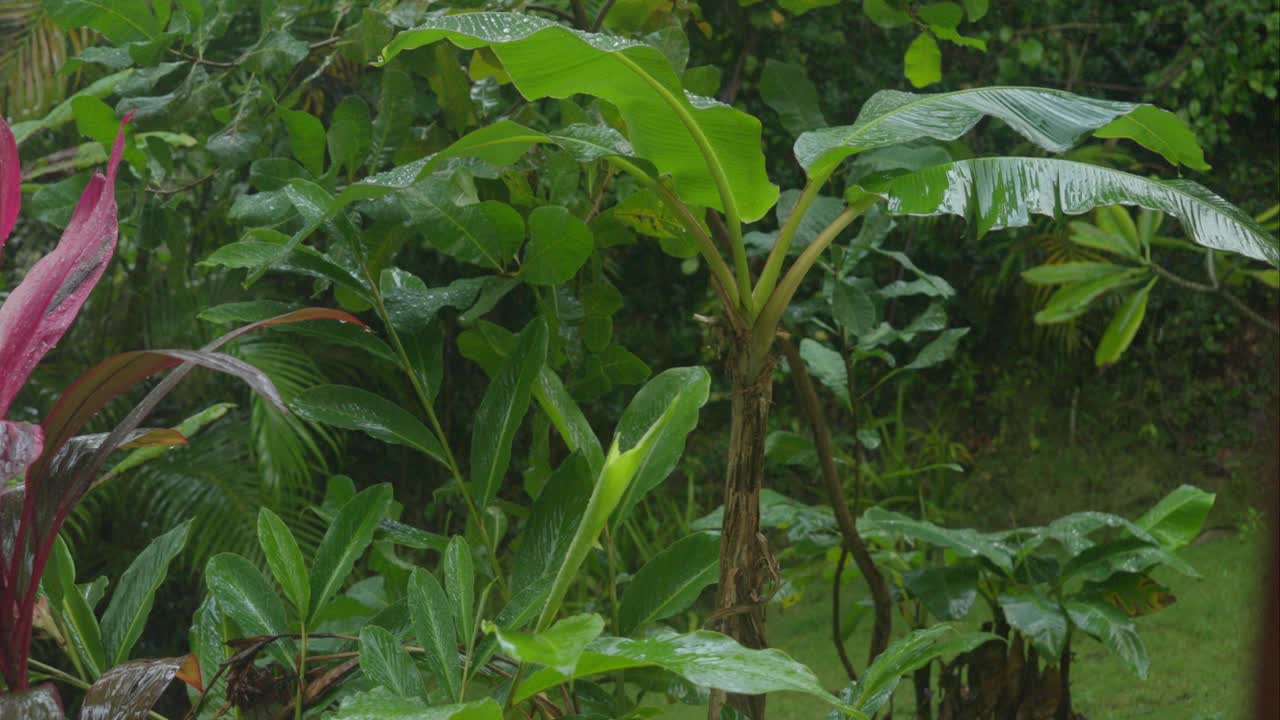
(1006, 192)
(433, 626)
(1052, 119)
(345, 540)
(670, 582)
(352, 408)
(131, 602)
(502, 410)
(546, 59)
(245, 598)
(385, 662)
(1040, 619)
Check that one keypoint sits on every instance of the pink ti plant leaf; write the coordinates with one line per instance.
(10, 183)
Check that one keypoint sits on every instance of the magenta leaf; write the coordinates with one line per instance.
(20, 445)
(37, 313)
(10, 183)
(129, 690)
(38, 703)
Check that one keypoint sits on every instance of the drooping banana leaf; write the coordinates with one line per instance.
(1052, 119)
(666, 126)
(1004, 192)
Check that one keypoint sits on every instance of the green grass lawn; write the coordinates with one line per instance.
(1200, 648)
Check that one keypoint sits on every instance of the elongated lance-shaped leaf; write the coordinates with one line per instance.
(353, 408)
(502, 410)
(133, 597)
(460, 582)
(1053, 119)
(10, 183)
(433, 625)
(284, 557)
(385, 662)
(670, 582)
(1005, 192)
(42, 307)
(545, 59)
(344, 542)
(245, 598)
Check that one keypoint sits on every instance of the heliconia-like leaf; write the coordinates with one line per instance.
(130, 690)
(20, 445)
(10, 183)
(38, 312)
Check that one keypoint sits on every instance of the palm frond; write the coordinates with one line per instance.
(32, 51)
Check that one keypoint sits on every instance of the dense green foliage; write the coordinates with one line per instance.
(587, 239)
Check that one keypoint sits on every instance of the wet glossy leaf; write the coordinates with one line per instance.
(922, 64)
(828, 366)
(345, 541)
(1115, 631)
(966, 542)
(670, 582)
(37, 703)
(350, 134)
(1041, 619)
(129, 690)
(1006, 192)
(1052, 119)
(1070, 272)
(355, 409)
(460, 585)
(485, 233)
(1123, 326)
(245, 598)
(916, 650)
(306, 139)
(131, 602)
(502, 409)
(1177, 519)
(948, 592)
(385, 662)
(546, 59)
(433, 626)
(382, 705)
(558, 647)
(559, 244)
(285, 559)
(552, 522)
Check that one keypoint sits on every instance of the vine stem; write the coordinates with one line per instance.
(1235, 302)
(425, 400)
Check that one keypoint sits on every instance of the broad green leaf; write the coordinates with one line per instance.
(853, 308)
(1070, 272)
(914, 651)
(412, 305)
(501, 411)
(948, 592)
(350, 134)
(352, 408)
(1134, 594)
(1161, 131)
(385, 662)
(558, 647)
(1113, 629)
(588, 143)
(460, 584)
(245, 598)
(828, 366)
(922, 64)
(1070, 301)
(433, 626)
(120, 21)
(344, 542)
(1052, 119)
(301, 260)
(652, 430)
(1123, 326)
(939, 350)
(486, 233)
(1177, 519)
(966, 542)
(1270, 278)
(712, 660)
(886, 13)
(130, 605)
(976, 9)
(552, 522)
(1005, 192)
(559, 244)
(1131, 555)
(670, 582)
(786, 89)
(1039, 618)
(1106, 240)
(545, 59)
(285, 559)
(306, 139)
(380, 704)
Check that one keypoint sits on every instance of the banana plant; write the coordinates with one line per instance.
(58, 467)
(703, 161)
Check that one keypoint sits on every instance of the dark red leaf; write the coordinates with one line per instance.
(20, 445)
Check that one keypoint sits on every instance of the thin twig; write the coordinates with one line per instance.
(550, 11)
(600, 16)
(1234, 301)
(181, 188)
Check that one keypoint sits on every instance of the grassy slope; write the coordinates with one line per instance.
(1200, 649)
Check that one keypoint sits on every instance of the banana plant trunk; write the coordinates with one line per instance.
(746, 566)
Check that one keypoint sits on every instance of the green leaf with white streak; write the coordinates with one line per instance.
(558, 647)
